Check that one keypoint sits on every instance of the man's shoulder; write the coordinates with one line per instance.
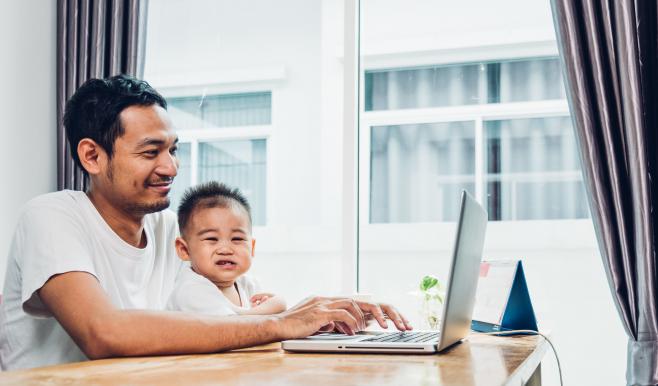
(64, 202)
(55, 199)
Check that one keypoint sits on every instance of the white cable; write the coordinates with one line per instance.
(529, 332)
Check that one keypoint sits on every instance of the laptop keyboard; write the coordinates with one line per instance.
(407, 337)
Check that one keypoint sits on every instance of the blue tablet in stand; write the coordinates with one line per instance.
(517, 312)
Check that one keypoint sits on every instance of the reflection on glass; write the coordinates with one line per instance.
(422, 87)
(417, 171)
(533, 170)
(525, 80)
(183, 178)
(211, 111)
(240, 164)
(464, 84)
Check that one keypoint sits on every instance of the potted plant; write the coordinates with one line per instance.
(431, 293)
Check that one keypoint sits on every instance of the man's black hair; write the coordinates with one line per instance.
(211, 194)
(93, 110)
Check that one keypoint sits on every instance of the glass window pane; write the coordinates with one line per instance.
(520, 80)
(240, 164)
(423, 87)
(201, 111)
(528, 80)
(183, 178)
(418, 171)
(533, 171)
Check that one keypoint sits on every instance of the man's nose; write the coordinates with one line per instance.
(168, 165)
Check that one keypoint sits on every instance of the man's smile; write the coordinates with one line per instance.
(161, 187)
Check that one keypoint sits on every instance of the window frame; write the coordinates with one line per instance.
(477, 114)
(502, 236)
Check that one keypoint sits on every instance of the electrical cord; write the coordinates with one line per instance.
(530, 332)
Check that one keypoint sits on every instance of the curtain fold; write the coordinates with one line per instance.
(609, 51)
(95, 39)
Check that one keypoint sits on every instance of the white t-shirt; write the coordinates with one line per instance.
(63, 232)
(195, 293)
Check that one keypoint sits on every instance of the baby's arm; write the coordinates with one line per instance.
(265, 304)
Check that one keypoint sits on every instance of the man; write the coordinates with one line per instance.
(89, 273)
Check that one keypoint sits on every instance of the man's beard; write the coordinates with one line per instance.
(143, 209)
(151, 207)
(138, 208)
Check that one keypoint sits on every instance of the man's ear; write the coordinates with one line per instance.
(253, 247)
(92, 157)
(181, 249)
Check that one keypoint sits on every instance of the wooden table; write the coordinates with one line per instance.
(480, 360)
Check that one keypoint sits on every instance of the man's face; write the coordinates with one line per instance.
(143, 166)
(219, 243)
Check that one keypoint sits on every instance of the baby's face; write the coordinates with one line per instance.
(219, 243)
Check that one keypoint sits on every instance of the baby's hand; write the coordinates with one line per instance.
(260, 298)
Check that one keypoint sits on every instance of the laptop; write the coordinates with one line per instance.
(457, 309)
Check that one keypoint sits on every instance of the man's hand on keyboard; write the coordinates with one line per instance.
(381, 311)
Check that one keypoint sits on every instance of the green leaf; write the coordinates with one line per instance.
(428, 282)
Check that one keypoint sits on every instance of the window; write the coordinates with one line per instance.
(418, 169)
(499, 129)
(224, 138)
(469, 95)
(216, 111)
(464, 84)
(532, 170)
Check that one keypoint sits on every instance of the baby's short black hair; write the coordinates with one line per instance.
(211, 194)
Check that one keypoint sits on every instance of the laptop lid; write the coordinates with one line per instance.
(459, 301)
(464, 272)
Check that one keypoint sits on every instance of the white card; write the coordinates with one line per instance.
(494, 287)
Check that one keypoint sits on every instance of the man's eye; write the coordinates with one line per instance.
(238, 239)
(174, 150)
(213, 239)
(150, 153)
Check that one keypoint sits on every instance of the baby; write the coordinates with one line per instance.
(215, 237)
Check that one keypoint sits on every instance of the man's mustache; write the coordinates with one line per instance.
(159, 181)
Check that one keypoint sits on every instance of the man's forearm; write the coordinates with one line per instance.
(137, 333)
(80, 305)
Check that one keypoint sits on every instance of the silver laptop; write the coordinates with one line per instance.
(457, 309)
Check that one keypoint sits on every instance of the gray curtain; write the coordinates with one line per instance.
(95, 39)
(609, 50)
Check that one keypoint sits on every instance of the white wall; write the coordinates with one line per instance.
(27, 109)
(390, 26)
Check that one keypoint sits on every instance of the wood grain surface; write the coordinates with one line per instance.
(479, 360)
